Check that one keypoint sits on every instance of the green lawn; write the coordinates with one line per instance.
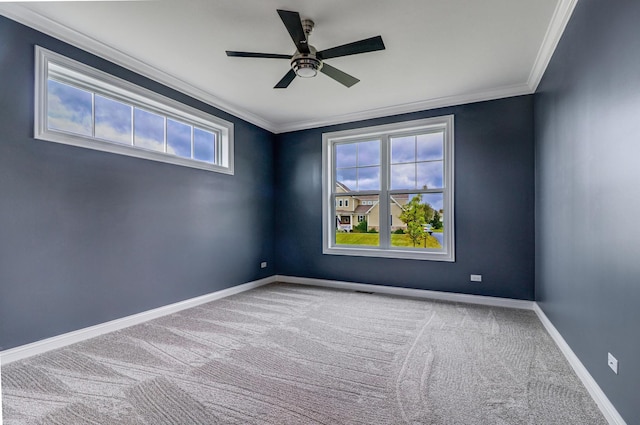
(373, 239)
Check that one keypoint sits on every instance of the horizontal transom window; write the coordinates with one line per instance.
(82, 106)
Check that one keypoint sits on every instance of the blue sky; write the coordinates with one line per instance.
(149, 130)
(179, 138)
(358, 165)
(203, 145)
(113, 120)
(416, 162)
(70, 109)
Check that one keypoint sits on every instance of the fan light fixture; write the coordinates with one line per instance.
(306, 66)
(306, 61)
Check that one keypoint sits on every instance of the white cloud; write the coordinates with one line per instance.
(151, 144)
(107, 132)
(61, 117)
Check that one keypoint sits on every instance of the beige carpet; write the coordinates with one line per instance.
(286, 354)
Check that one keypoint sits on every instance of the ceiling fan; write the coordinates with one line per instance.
(307, 61)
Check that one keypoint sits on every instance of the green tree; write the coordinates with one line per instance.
(415, 215)
(435, 221)
(361, 227)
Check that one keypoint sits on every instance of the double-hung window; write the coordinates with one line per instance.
(400, 177)
(79, 105)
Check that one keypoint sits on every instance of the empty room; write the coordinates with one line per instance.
(319, 212)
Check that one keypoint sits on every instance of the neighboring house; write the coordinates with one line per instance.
(353, 209)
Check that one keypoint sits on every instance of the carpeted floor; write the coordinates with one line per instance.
(286, 354)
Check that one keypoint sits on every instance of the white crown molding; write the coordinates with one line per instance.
(559, 21)
(410, 292)
(54, 29)
(498, 93)
(39, 347)
(50, 27)
(606, 407)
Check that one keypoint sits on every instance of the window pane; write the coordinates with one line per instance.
(347, 177)
(113, 120)
(178, 138)
(149, 130)
(416, 220)
(436, 202)
(403, 149)
(403, 176)
(430, 175)
(358, 224)
(430, 146)
(204, 145)
(368, 153)
(368, 178)
(68, 108)
(346, 154)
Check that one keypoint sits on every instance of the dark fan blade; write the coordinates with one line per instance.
(363, 46)
(339, 76)
(293, 23)
(286, 80)
(257, 55)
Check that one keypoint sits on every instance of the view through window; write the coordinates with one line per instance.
(79, 105)
(390, 191)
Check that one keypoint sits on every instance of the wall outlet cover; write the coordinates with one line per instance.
(476, 278)
(613, 363)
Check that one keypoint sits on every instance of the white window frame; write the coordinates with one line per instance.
(384, 133)
(77, 74)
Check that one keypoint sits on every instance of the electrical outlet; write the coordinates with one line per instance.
(613, 363)
(476, 278)
(263, 265)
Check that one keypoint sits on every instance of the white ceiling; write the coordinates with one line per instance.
(438, 52)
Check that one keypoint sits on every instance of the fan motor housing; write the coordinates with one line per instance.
(306, 65)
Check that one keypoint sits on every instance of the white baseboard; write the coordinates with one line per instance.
(606, 407)
(603, 403)
(63, 340)
(410, 292)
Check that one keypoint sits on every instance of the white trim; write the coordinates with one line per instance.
(50, 27)
(63, 340)
(559, 20)
(606, 407)
(383, 133)
(404, 108)
(602, 401)
(51, 65)
(410, 292)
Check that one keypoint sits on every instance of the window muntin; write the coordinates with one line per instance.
(358, 164)
(412, 186)
(81, 106)
(417, 161)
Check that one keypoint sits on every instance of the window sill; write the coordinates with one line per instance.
(136, 152)
(404, 254)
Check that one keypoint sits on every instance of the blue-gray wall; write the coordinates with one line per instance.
(494, 201)
(88, 236)
(587, 126)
